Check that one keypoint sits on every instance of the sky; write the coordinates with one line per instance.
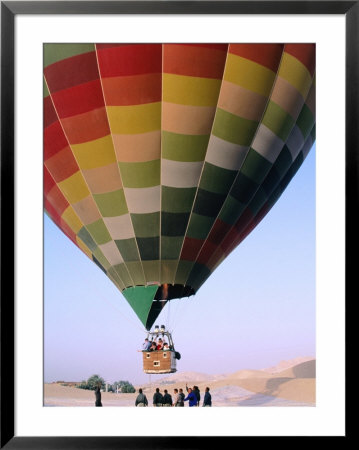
(256, 309)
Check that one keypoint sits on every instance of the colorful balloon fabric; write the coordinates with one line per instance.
(159, 159)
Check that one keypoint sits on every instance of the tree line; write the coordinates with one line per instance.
(125, 387)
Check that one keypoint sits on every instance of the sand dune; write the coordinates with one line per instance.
(303, 370)
(283, 365)
(242, 374)
(296, 383)
(302, 390)
(184, 376)
(294, 386)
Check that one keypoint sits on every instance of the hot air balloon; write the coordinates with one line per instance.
(159, 159)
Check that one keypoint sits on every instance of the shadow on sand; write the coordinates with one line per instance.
(268, 396)
(304, 370)
(255, 400)
(273, 384)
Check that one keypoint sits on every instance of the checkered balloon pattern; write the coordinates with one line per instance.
(159, 159)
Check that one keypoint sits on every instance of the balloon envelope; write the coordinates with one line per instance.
(159, 159)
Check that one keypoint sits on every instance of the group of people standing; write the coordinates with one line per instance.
(193, 397)
(150, 346)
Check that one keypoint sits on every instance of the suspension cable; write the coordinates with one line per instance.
(116, 306)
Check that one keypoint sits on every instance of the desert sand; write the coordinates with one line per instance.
(293, 386)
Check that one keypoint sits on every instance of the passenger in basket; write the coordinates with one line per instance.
(146, 345)
(153, 347)
(159, 344)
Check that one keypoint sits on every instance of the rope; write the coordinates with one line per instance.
(168, 313)
(182, 303)
(116, 306)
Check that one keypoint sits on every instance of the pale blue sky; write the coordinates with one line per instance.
(256, 309)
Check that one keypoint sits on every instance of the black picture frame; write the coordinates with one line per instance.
(9, 10)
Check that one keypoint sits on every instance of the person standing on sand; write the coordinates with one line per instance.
(157, 398)
(191, 397)
(167, 399)
(196, 392)
(181, 397)
(98, 395)
(176, 398)
(141, 399)
(207, 401)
